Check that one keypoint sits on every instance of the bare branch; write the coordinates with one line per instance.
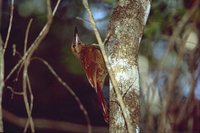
(30, 105)
(14, 92)
(82, 108)
(52, 124)
(37, 41)
(31, 101)
(26, 57)
(84, 20)
(93, 24)
(9, 27)
(26, 35)
(24, 87)
(1, 72)
(1, 81)
(110, 71)
(24, 83)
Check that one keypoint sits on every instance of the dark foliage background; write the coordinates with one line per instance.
(52, 101)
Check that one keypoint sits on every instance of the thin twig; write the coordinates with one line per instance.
(15, 52)
(93, 24)
(44, 33)
(31, 93)
(26, 35)
(24, 87)
(59, 126)
(26, 58)
(2, 51)
(127, 118)
(1, 81)
(14, 92)
(36, 43)
(84, 20)
(82, 108)
(28, 105)
(31, 101)
(25, 79)
(26, 65)
(9, 27)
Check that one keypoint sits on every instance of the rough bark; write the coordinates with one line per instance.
(126, 28)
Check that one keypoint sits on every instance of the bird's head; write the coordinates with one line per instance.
(76, 43)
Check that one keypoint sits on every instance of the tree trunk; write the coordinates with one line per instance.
(126, 28)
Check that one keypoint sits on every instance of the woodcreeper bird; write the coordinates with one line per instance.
(93, 64)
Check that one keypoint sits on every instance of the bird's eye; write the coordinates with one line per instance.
(74, 46)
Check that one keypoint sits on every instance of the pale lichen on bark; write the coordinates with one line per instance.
(126, 28)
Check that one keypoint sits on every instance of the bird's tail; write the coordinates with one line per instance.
(103, 104)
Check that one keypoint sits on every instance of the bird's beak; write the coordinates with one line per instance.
(76, 37)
